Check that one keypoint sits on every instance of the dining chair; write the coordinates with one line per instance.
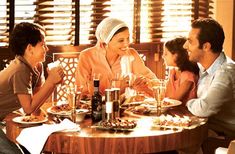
(68, 61)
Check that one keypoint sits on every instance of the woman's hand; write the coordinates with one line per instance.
(141, 84)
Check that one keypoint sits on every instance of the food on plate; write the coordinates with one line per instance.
(143, 110)
(174, 121)
(84, 106)
(119, 124)
(33, 118)
(61, 108)
(138, 98)
(166, 103)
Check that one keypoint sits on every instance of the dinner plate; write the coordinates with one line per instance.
(172, 102)
(153, 109)
(20, 120)
(88, 102)
(61, 113)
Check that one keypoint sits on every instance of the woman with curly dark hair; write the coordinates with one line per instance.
(183, 74)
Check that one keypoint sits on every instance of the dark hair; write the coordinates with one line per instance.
(175, 46)
(210, 31)
(23, 34)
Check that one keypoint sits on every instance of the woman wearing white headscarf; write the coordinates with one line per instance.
(110, 56)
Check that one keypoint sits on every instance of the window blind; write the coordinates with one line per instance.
(4, 22)
(24, 11)
(148, 20)
(58, 18)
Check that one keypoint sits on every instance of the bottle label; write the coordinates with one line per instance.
(109, 107)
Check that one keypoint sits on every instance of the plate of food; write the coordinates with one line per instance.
(149, 108)
(30, 119)
(139, 111)
(167, 103)
(62, 110)
(116, 125)
(177, 122)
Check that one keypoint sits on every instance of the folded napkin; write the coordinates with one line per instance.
(34, 138)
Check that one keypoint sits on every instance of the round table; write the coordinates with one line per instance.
(143, 139)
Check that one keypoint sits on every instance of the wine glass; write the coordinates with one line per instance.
(159, 90)
(74, 95)
(116, 80)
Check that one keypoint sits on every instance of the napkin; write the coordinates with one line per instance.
(126, 65)
(34, 138)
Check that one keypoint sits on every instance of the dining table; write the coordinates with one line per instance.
(143, 139)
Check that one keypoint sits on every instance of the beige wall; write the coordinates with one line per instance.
(224, 15)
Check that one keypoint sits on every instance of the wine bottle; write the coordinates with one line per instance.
(96, 103)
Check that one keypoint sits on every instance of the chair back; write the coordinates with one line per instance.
(68, 61)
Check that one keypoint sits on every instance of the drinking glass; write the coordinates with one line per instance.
(96, 76)
(74, 95)
(130, 91)
(159, 90)
(116, 80)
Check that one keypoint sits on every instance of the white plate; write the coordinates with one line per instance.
(61, 113)
(152, 105)
(86, 102)
(153, 108)
(172, 102)
(195, 123)
(20, 120)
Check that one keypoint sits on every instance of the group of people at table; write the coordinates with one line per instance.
(201, 76)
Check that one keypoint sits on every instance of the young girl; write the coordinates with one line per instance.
(183, 74)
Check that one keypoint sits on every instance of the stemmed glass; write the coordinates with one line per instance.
(116, 80)
(130, 91)
(159, 90)
(74, 95)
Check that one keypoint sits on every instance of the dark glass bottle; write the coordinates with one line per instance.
(96, 103)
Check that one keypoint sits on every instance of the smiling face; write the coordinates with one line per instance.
(192, 46)
(169, 58)
(120, 43)
(39, 50)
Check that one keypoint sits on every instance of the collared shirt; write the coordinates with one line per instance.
(93, 61)
(18, 78)
(217, 97)
(206, 76)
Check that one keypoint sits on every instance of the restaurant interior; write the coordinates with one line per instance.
(70, 28)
